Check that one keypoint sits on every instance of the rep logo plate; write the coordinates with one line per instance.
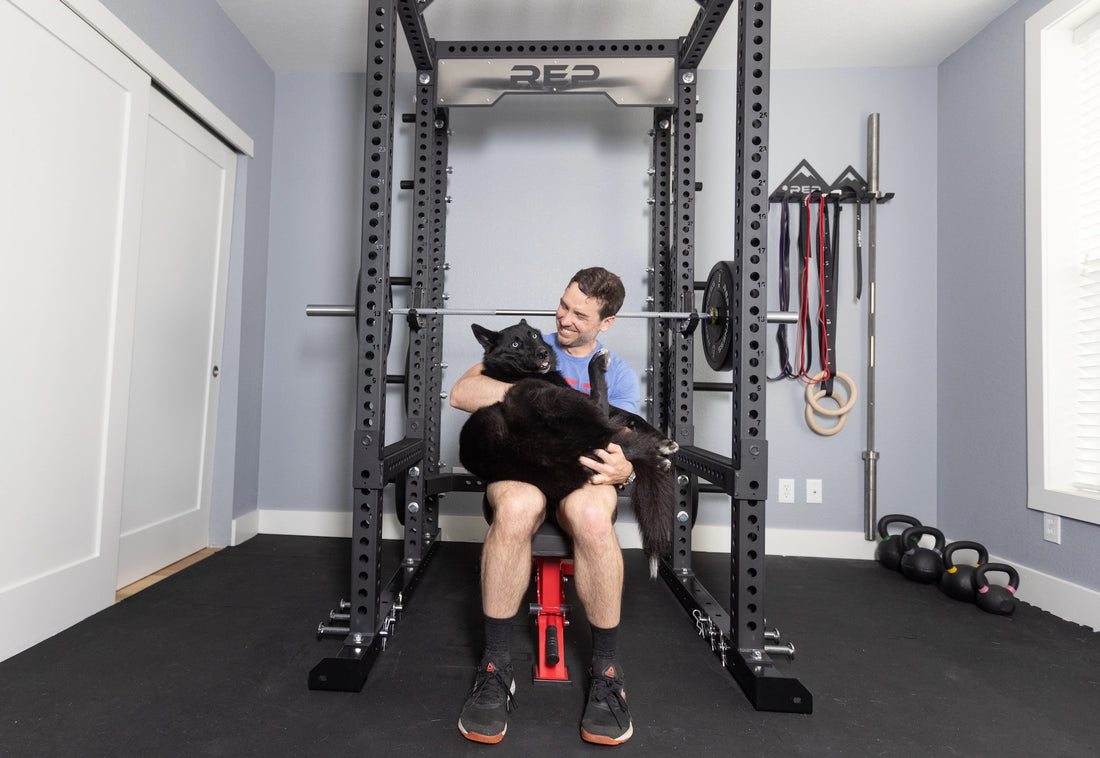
(625, 81)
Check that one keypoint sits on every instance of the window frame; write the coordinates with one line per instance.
(1047, 35)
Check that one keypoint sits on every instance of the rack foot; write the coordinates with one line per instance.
(347, 672)
(765, 687)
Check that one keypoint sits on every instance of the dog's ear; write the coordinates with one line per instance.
(487, 337)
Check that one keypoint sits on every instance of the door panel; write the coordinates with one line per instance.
(185, 231)
(72, 147)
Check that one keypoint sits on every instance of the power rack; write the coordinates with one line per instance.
(656, 73)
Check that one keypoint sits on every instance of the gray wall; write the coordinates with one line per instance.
(982, 441)
(821, 116)
(197, 39)
(309, 364)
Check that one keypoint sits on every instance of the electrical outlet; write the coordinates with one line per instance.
(1052, 528)
(786, 490)
(813, 490)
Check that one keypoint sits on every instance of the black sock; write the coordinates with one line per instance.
(605, 643)
(497, 634)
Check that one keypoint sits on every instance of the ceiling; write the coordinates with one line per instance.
(327, 36)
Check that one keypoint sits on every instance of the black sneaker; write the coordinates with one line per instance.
(485, 715)
(606, 718)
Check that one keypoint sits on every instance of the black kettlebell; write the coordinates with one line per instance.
(993, 598)
(889, 549)
(921, 564)
(958, 581)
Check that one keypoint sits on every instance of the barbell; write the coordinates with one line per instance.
(715, 315)
(349, 310)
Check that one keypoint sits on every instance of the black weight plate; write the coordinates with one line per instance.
(717, 325)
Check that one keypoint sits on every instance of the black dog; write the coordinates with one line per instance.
(541, 428)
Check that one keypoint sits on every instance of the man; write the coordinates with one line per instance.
(588, 307)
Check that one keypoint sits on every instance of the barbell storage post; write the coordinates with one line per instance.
(870, 455)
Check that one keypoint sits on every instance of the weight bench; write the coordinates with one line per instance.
(552, 553)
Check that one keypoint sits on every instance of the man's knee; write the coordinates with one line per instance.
(518, 508)
(588, 513)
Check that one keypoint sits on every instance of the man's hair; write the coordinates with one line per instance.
(601, 284)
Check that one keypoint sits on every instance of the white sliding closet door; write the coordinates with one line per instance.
(185, 231)
(72, 154)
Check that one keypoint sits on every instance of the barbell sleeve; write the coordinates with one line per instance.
(330, 310)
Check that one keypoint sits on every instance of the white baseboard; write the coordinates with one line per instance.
(1066, 600)
(800, 542)
(244, 528)
(306, 523)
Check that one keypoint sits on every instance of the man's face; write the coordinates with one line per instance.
(578, 320)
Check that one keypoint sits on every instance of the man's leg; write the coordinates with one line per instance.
(518, 510)
(586, 515)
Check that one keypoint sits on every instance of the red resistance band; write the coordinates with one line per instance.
(805, 369)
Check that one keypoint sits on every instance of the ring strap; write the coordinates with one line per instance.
(830, 248)
(805, 336)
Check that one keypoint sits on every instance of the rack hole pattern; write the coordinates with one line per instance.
(633, 48)
(683, 197)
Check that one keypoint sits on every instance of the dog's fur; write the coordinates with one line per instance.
(543, 426)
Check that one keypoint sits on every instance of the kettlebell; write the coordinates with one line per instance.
(993, 598)
(889, 549)
(958, 581)
(921, 564)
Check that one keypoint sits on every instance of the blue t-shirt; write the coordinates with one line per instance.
(623, 389)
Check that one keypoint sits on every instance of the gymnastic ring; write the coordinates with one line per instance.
(812, 398)
(816, 426)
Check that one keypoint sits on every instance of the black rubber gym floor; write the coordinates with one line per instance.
(213, 662)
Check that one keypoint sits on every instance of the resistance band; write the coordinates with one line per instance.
(785, 371)
(825, 274)
(805, 264)
(805, 358)
(832, 255)
(859, 249)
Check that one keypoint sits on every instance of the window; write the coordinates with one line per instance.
(1063, 258)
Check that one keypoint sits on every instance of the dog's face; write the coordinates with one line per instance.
(517, 350)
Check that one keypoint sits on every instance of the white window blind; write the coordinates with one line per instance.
(1086, 58)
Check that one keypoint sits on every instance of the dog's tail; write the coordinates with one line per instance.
(654, 502)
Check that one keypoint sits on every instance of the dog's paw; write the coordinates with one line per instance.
(601, 360)
(665, 464)
(667, 447)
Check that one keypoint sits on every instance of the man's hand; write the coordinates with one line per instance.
(609, 466)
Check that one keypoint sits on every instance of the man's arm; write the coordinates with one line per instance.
(610, 466)
(474, 390)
